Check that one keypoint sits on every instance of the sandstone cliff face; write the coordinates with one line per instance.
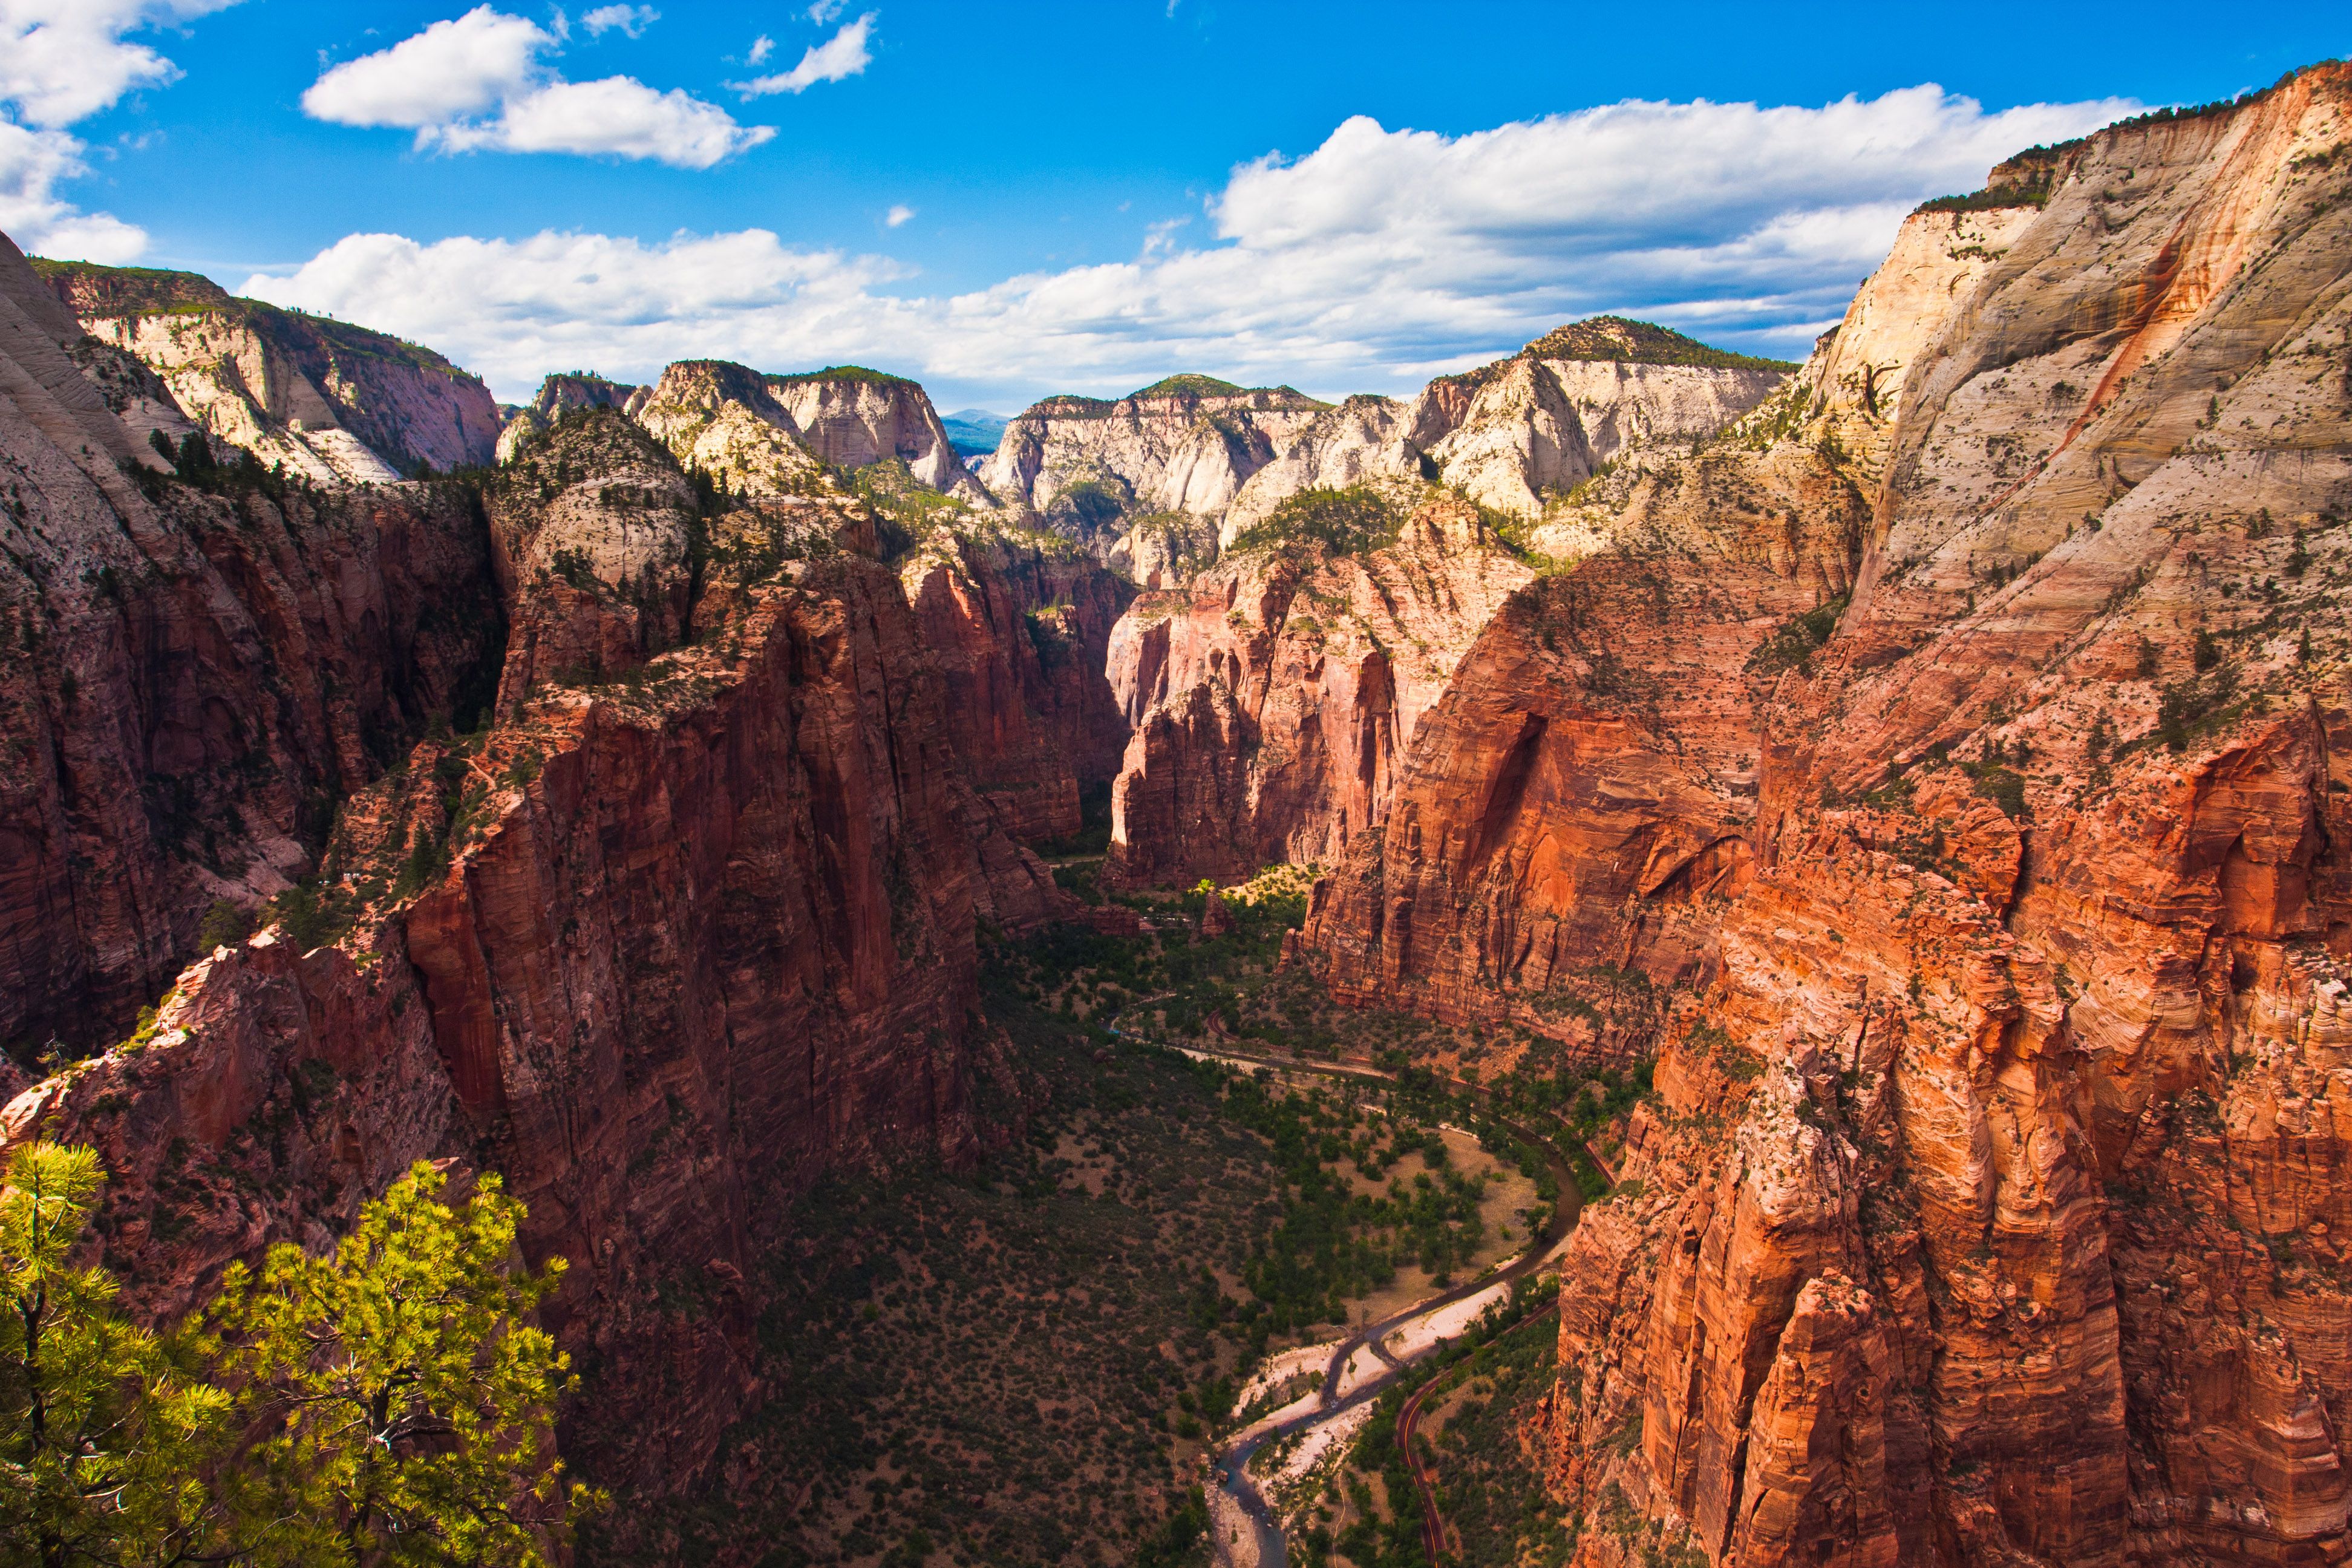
(1515, 433)
(1577, 806)
(566, 391)
(1989, 1208)
(661, 942)
(1179, 450)
(333, 403)
(853, 418)
(1275, 697)
(191, 682)
(1022, 635)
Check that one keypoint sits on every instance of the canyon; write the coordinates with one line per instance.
(1906, 791)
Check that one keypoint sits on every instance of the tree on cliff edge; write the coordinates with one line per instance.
(387, 1403)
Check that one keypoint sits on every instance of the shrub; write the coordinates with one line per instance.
(1356, 520)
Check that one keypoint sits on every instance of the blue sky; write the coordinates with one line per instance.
(1085, 195)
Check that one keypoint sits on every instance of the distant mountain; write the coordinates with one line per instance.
(974, 432)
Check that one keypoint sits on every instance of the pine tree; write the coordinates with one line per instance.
(102, 1440)
(407, 1401)
(389, 1404)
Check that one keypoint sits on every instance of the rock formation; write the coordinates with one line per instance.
(1273, 699)
(1992, 936)
(1021, 627)
(768, 435)
(691, 919)
(563, 393)
(193, 679)
(328, 401)
(1173, 455)
(1157, 482)
(1514, 434)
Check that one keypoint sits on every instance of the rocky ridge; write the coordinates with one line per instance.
(652, 868)
(1121, 476)
(193, 678)
(1987, 1210)
(327, 401)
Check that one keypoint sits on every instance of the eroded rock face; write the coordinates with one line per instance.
(1988, 1211)
(1514, 434)
(331, 401)
(191, 681)
(659, 948)
(1021, 638)
(1177, 450)
(1576, 807)
(1273, 698)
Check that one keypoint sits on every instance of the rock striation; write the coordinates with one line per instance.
(1516, 433)
(328, 401)
(191, 679)
(1987, 1209)
(1158, 481)
(1273, 698)
(1166, 458)
(688, 920)
(1021, 626)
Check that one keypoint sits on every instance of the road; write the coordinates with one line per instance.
(1432, 1519)
(1232, 1465)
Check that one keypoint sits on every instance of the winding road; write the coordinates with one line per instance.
(1232, 1464)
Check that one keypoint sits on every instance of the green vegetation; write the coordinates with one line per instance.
(1187, 386)
(1481, 1392)
(1000, 1359)
(194, 464)
(1628, 341)
(840, 373)
(1794, 641)
(1356, 520)
(128, 291)
(387, 1404)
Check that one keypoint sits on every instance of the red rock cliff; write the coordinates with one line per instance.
(1273, 698)
(1990, 1206)
(669, 937)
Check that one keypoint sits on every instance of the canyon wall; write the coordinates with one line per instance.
(1516, 433)
(1274, 697)
(329, 401)
(1168, 459)
(1158, 481)
(648, 859)
(1986, 1211)
(193, 680)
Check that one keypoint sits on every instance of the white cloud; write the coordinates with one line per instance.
(761, 48)
(898, 214)
(824, 11)
(632, 20)
(481, 82)
(62, 61)
(838, 57)
(1373, 262)
(452, 69)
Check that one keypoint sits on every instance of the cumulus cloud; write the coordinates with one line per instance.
(60, 62)
(898, 214)
(761, 48)
(1380, 258)
(482, 82)
(841, 56)
(630, 19)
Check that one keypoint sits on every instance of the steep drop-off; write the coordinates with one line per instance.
(193, 679)
(1272, 698)
(329, 401)
(688, 920)
(1987, 1211)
